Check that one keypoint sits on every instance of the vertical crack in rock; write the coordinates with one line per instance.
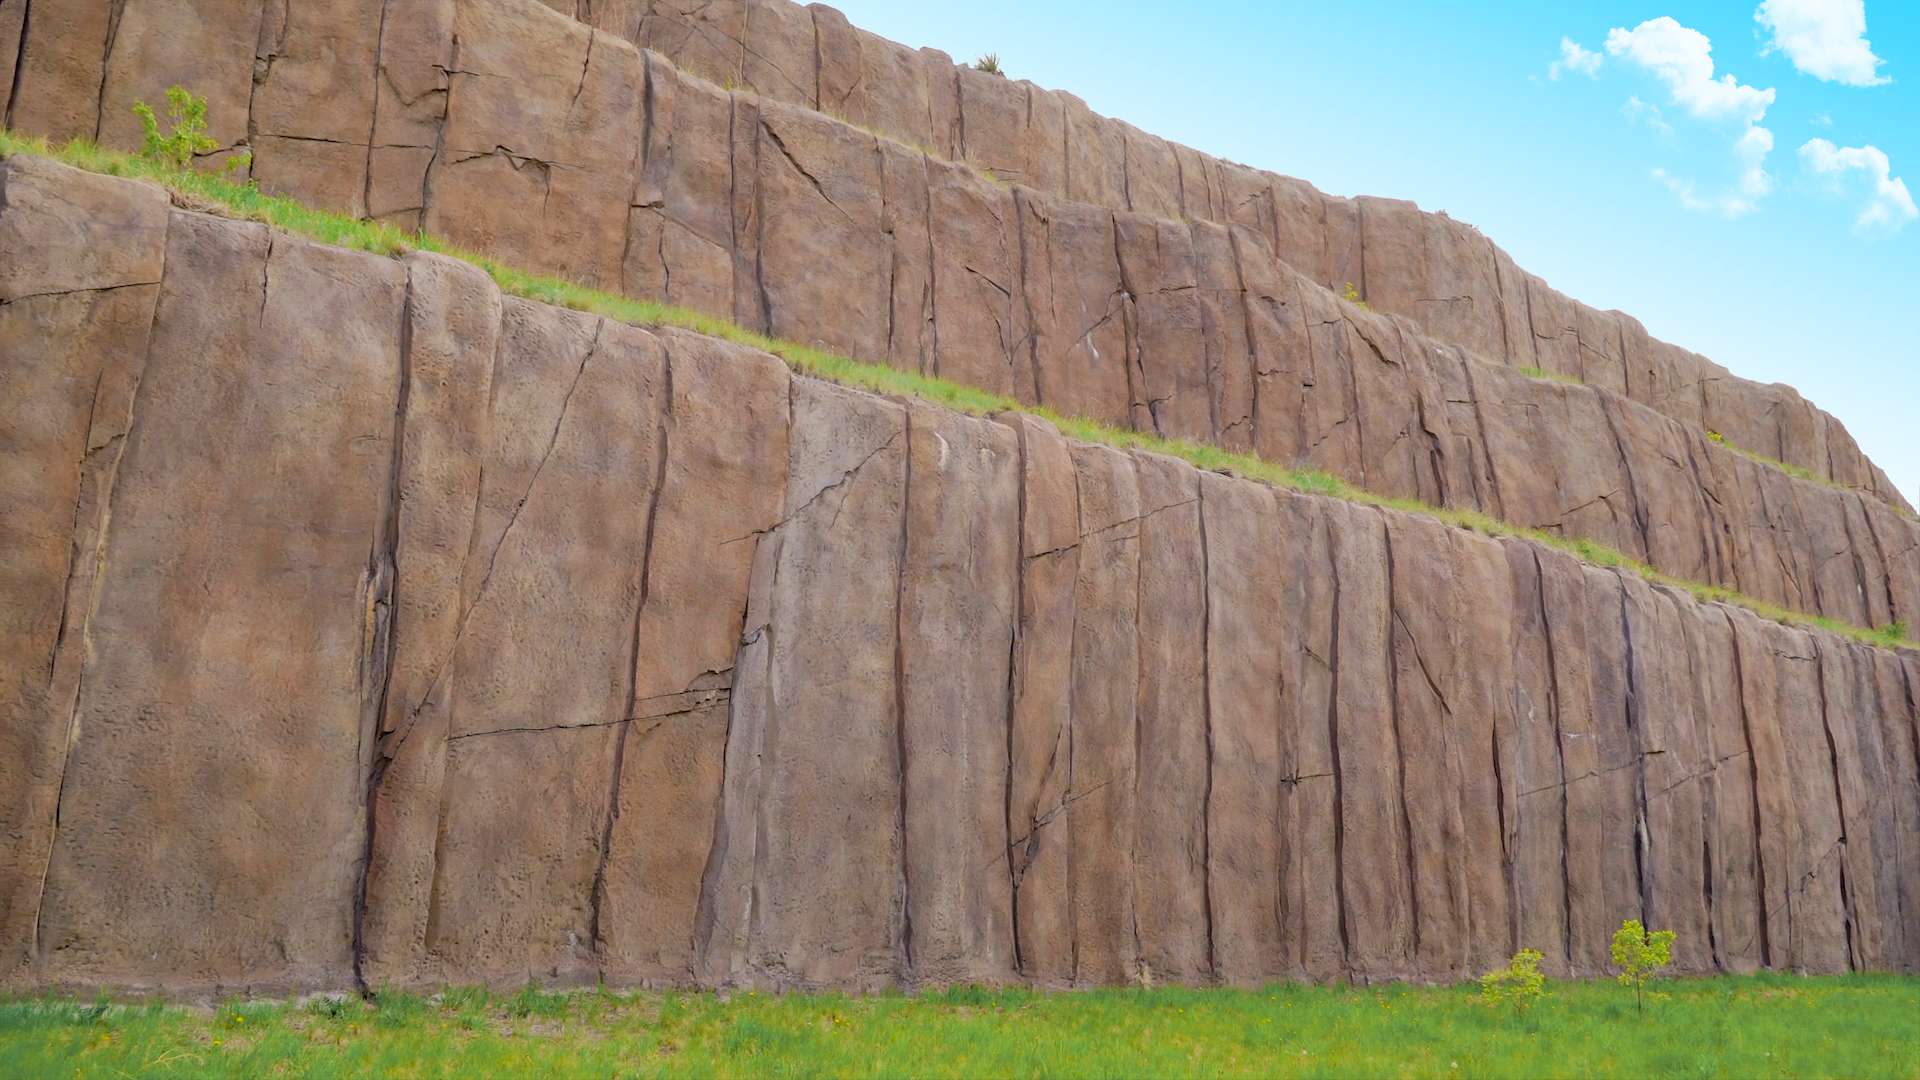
(119, 9)
(903, 870)
(1637, 500)
(1497, 504)
(1560, 759)
(1637, 734)
(373, 122)
(1508, 843)
(377, 652)
(439, 132)
(1129, 327)
(1712, 562)
(1500, 305)
(930, 357)
(1848, 921)
(1397, 750)
(1072, 715)
(1133, 854)
(20, 59)
(1880, 559)
(80, 624)
(1014, 870)
(1030, 341)
(1248, 334)
(1740, 662)
(597, 897)
(1706, 886)
(1339, 778)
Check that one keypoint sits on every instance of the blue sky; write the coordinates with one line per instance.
(1635, 179)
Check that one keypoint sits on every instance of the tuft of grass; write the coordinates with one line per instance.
(217, 194)
(1543, 373)
(1799, 472)
(1760, 1025)
(989, 63)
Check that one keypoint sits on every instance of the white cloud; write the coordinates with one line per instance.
(1752, 150)
(1635, 109)
(1683, 59)
(1889, 209)
(1821, 119)
(1576, 59)
(1824, 38)
(1728, 204)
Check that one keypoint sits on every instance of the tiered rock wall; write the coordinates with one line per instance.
(526, 134)
(363, 623)
(463, 114)
(1446, 276)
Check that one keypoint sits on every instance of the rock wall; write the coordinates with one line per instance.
(363, 624)
(1444, 275)
(654, 181)
(462, 115)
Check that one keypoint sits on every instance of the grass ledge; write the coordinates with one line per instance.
(215, 194)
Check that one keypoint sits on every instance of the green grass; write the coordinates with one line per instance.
(214, 193)
(1756, 1026)
(1543, 373)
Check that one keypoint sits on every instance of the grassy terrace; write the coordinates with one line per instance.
(218, 195)
(1753, 1026)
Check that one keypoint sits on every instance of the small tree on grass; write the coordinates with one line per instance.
(1519, 984)
(1638, 954)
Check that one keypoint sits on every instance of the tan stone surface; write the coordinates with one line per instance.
(311, 117)
(725, 429)
(1072, 351)
(1101, 828)
(453, 324)
(976, 256)
(213, 775)
(1443, 275)
(540, 115)
(957, 612)
(73, 344)
(1170, 854)
(207, 46)
(817, 688)
(1243, 641)
(1040, 745)
(824, 265)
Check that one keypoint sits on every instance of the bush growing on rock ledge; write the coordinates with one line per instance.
(989, 63)
(187, 115)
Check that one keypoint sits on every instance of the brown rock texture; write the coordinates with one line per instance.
(771, 164)
(366, 626)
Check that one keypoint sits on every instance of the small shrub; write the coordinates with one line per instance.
(1638, 954)
(989, 63)
(1895, 631)
(1519, 984)
(1352, 296)
(1716, 436)
(187, 117)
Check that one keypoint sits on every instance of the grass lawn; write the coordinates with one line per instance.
(1761, 1026)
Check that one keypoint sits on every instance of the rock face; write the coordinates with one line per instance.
(364, 625)
(828, 173)
(654, 180)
